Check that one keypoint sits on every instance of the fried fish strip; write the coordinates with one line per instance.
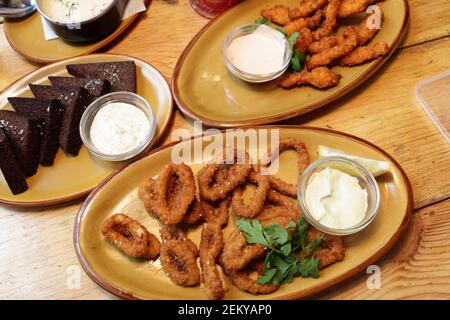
(304, 40)
(369, 27)
(347, 43)
(174, 192)
(364, 54)
(211, 245)
(330, 23)
(330, 251)
(310, 23)
(278, 14)
(323, 44)
(351, 7)
(321, 78)
(217, 212)
(237, 254)
(131, 237)
(256, 202)
(306, 8)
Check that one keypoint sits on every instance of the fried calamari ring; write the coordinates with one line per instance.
(347, 43)
(280, 200)
(331, 21)
(237, 254)
(180, 263)
(213, 190)
(303, 162)
(278, 14)
(211, 245)
(330, 251)
(277, 215)
(174, 192)
(256, 202)
(217, 212)
(298, 24)
(195, 213)
(147, 194)
(306, 8)
(130, 237)
(244, 280)
(169, 233)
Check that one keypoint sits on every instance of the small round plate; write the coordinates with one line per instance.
(73, 177)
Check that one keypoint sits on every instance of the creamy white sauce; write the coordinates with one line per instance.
(261, 52)
(118, 128)
(74, 10)
(335, 199)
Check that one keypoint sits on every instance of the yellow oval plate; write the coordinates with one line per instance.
(26, 36)
(133, 279)
(205, 90)
(73, 177)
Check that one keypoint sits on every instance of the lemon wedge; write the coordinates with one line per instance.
(376, 167)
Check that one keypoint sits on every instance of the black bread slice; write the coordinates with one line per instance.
(74, 102)
(24, 136)
(95, 87)
(50, 113)
(10, 167)
(121, 75)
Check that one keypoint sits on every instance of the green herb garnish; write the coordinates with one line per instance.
(282, 263)
(263, 21)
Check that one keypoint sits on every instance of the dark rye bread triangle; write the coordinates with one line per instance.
(121, 75)
(10, 167)
(74, 102)
(95, 87)
(50, 113)
(24, 136)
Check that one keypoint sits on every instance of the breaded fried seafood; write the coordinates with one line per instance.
(321, 78)
(278, 14)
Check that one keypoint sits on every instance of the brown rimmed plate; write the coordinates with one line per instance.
(26, 36)
(205, 90)
(133, 279)
(73, 177)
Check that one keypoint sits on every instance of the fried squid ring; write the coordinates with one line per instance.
(213, 190)
(174, 192)
(180, 263)
(174, 233)
(244, 281)
(237, 254)
(211, 245)
(217, 212)
(195, 213)
(277, 215)
(256, 202)
(303, 161)
(330, 251)
(130, 237)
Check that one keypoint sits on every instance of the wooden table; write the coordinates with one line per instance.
(36, 251)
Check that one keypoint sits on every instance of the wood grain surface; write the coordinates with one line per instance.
(36, 251)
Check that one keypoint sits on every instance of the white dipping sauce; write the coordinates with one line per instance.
(261, 52)
(118, 128)
(335, 199)
(74, 10)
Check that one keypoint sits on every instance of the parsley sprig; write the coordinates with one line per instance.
(282, 263)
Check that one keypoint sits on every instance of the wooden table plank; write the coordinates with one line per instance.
(418, 267)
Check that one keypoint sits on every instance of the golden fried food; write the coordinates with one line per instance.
(217, 212)
(347, 43)
(147, 194)
(211, 245)
(278, 14)
(304, 40)
(330, 23)
(351, 7)
(368, 27)
(180, 263)
(237, 173)
(277, 215)
(323, 44)
(303, 161)
(255, 204)
(174, 233)
(306, 8)
(174, 192)
(310, 23)
(194, 214)
(321, 78)
(364, 54)
(277, 199)
(244, 280)
(330, 251)
(130, 237)
(237, 254)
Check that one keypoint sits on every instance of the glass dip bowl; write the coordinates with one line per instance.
(251, 77)
(366, 181)
(121, 97)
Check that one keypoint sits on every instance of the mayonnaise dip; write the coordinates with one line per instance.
(335, 199)
(118, 128)
(261, 52)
